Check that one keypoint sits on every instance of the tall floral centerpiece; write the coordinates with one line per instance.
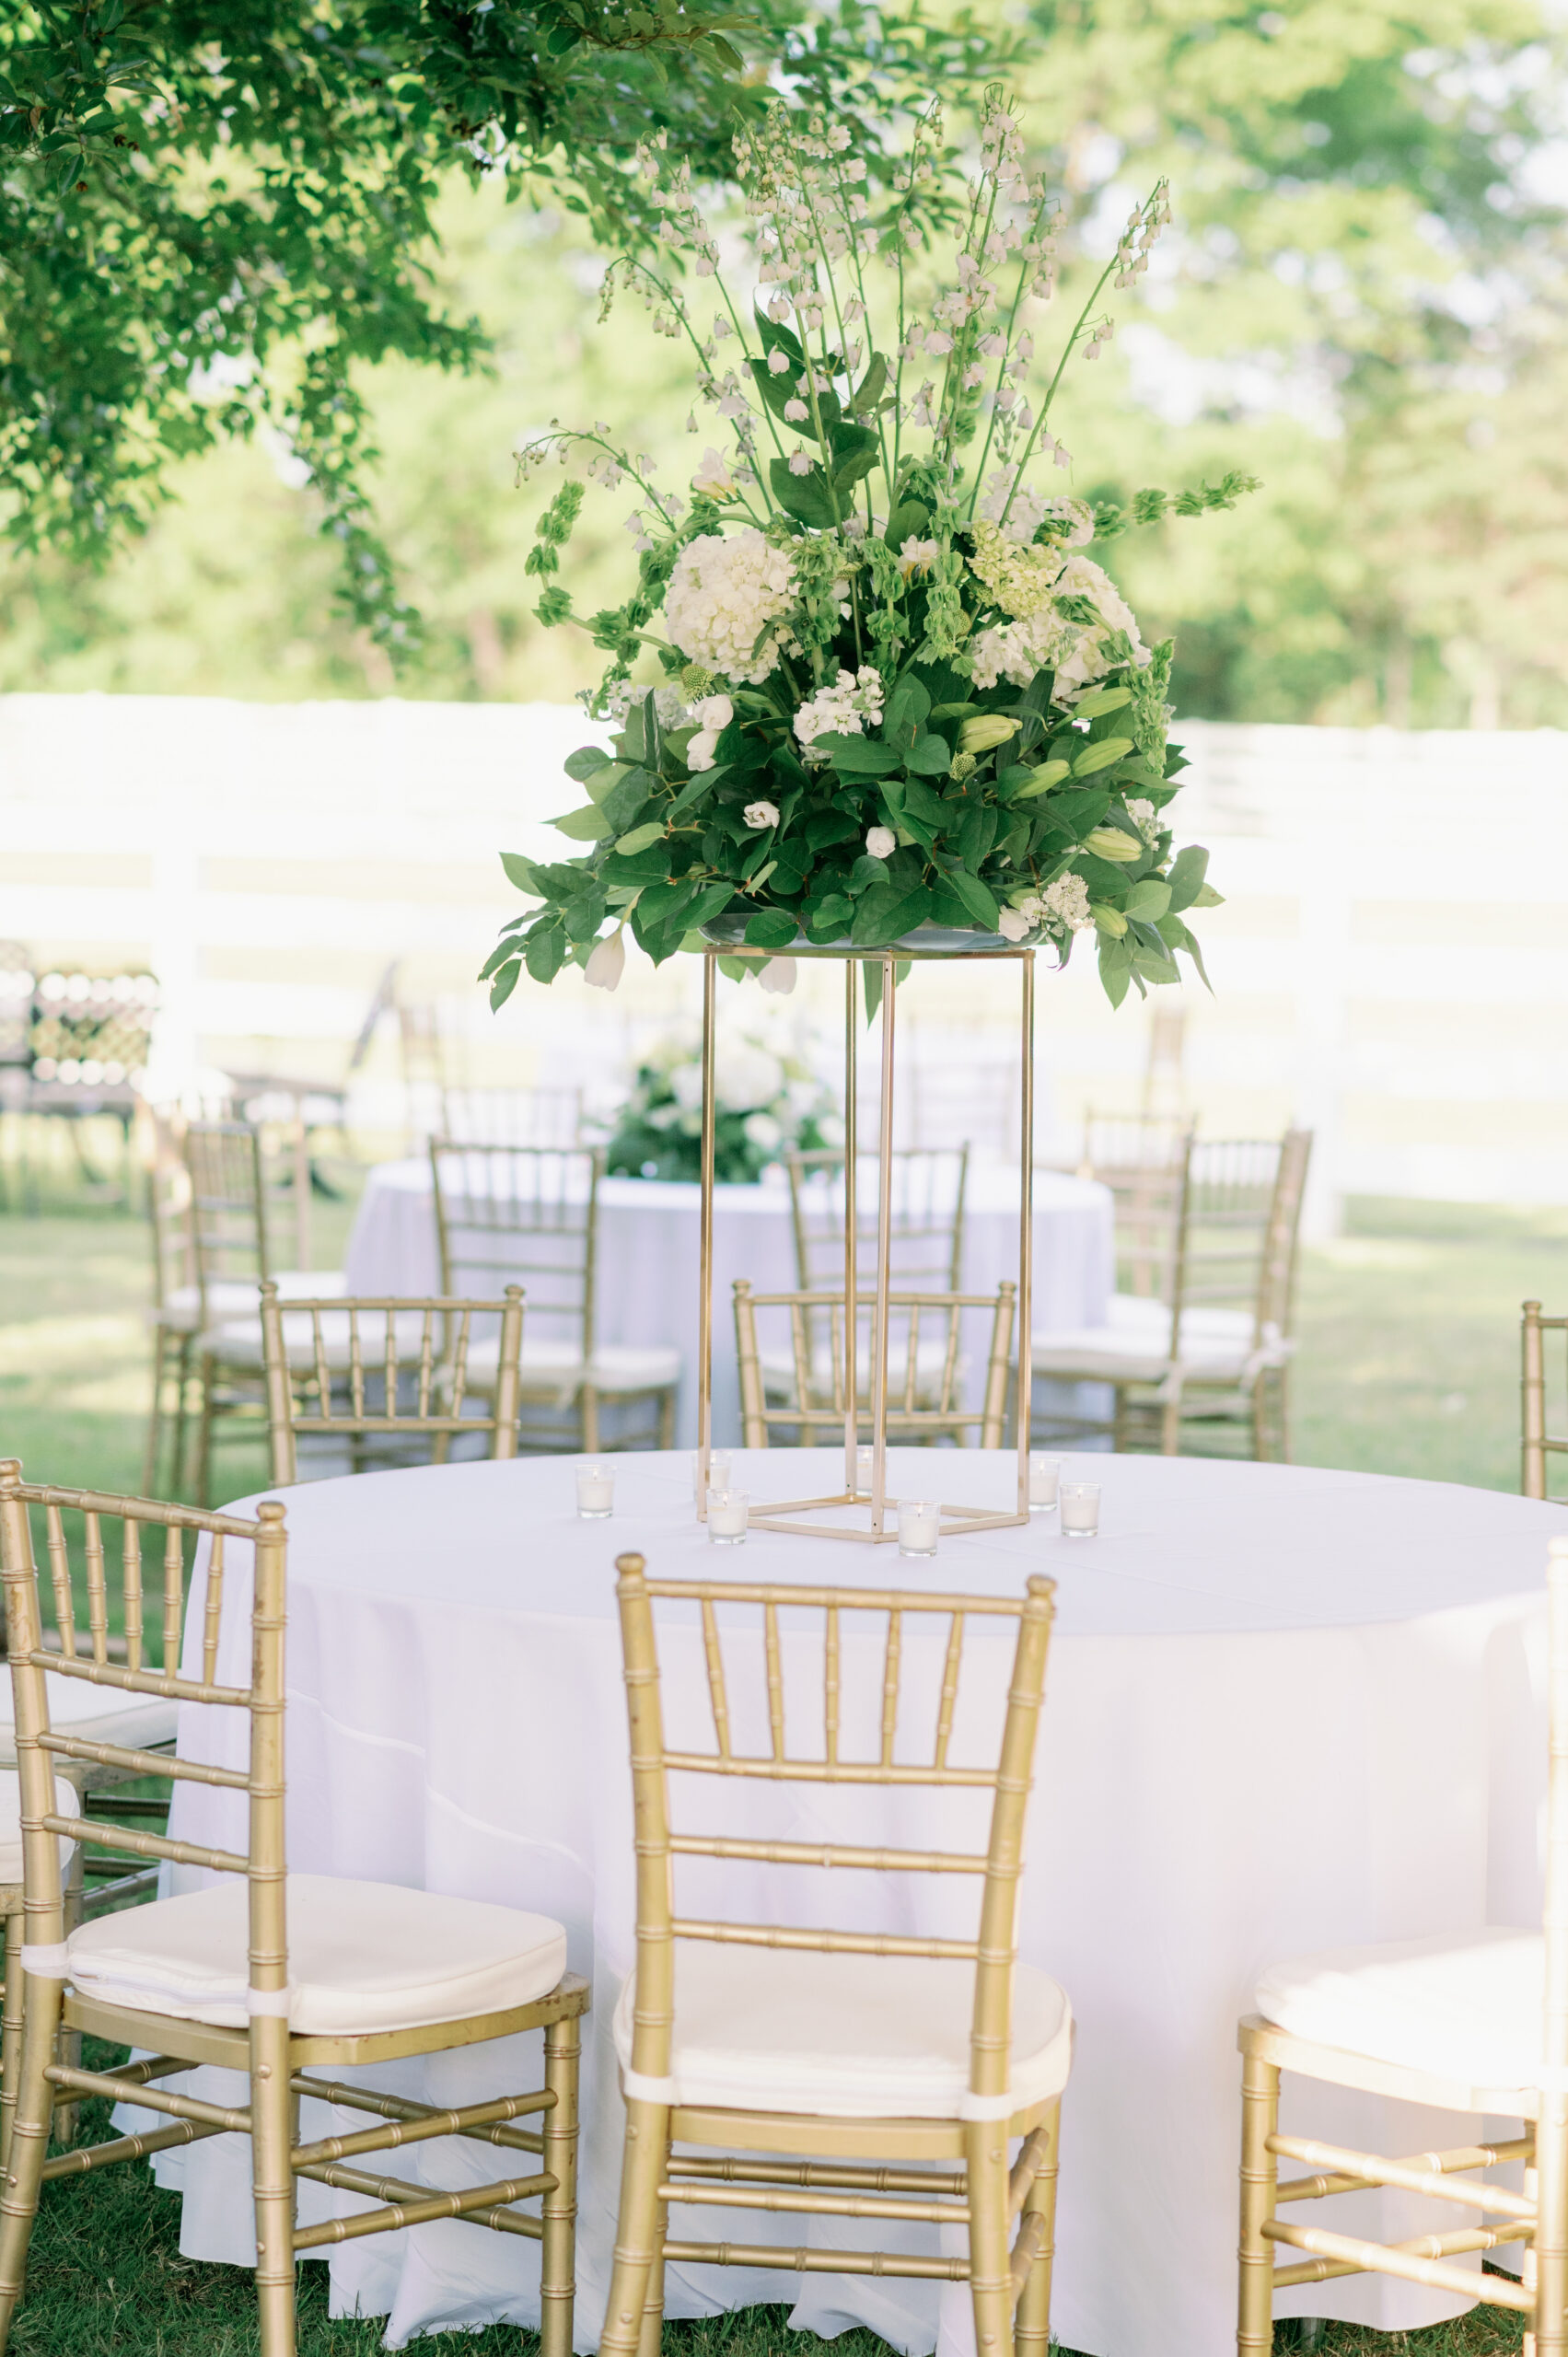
(899, 698)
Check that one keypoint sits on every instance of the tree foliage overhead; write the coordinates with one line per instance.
(213, 212)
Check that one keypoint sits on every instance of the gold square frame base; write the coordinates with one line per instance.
(964, 1521)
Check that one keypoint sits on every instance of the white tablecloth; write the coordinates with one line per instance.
(648, 1258)
(1287, 1708)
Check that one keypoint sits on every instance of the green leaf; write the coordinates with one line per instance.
(545, 953)
(1187, 875)
(582, 765)
(1207, 898)
(520, 872)
(1115, 969)
(870, 386)
(625, 802)
(825, 827)
(806, 497)
(505, 982)
(1149, 900)
(855, 451)
(911, 520)
(920, 801)
(908, 701)
(929, 757)
(887, 911)
(1101, 756)
(639, 839)
(586, 826)
(858, 756)
(1100, 699)
(711, 901)
(981, 904)
(772, 929)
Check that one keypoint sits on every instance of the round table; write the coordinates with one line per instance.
(648, 1263)
(1286, 1709)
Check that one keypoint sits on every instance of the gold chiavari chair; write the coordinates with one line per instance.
(1144, 1160)
(531, 1212)
(176, 1313)
(799, 1386)
(1475, 2023)
(551, 1117)
(1538, 1442)
(280, 1976)
(926, 1230)
(1216, 1353)
(332, 1379)
(871, 2055)
(230, 1249)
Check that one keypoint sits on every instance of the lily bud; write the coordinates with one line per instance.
(605, 967)
(1109, 843)
(986, 729)
(1108, 920)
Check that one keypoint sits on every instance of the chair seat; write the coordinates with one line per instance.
(11, 1824)
(238, 1342)
(233, 1297)
(1465, 2009)
(560, 1371)
(845, 2036)
(98, 1713)
(364, 1956)
(1133, 1346)
(779, 1381)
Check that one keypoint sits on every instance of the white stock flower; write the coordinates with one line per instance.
(761, 813)
(881, 842)
(1016, 651)
(1013, 924)
(712, 714)
(1144, 819)
(1070, 520)
(843, 709)
(607, 963)
(918, 556)
(714, 476)
(724, 592)
(1081, 577)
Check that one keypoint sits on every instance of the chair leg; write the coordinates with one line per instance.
(558, 2270)
(204, 1434)
(667, 1419)
(650, 2339)
(1170, 1427)
(273, 2112)
(181, 1414)
(11, 2026)
(29, 2138)
(1031, 2324)
(1260, 2175)
(155, 1414)
(589, 1405)
(648, 2143)
(991, 2271)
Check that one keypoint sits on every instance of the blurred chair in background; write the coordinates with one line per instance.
(1538, 1442)
(795, 1388)
(430, 1061)
(927, 1239)
(1144, 1159)
(530, 1214)
(80, 1059)
(388, 1378)
(1165, 1062)
(549, 1117)
(1212, 1356)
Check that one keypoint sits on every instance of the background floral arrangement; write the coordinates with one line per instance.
(898, 692)
(769, 1104)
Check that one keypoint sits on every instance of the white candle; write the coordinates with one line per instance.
(1045, 1473)
(918, 1521)
(596, 1492)
(864, 1465)
(728, 1513)
(718, 1470)
(1080, 1509)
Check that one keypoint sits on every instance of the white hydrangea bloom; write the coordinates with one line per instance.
(1028, 509)
(1016, 651)
(843, 709)
(726, 591)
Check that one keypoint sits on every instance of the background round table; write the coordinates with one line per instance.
(648, 1261)
(1287, 1708)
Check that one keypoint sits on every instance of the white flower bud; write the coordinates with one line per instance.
(605, 967)
(881, 842)
(761, 813)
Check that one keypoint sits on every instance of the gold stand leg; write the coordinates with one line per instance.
(1031, 2328)
(1260, 2175)
(991, 2273)
(273, 2112)
(558, 2251)
(30, 2128)
(648, 2143)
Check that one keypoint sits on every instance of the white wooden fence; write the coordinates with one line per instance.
(1392, 964)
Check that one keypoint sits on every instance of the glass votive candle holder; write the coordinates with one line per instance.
(1045, 1474)
(918, 1522)
(728, 1510)
(596, 1493)
(1080, 1509)
(718, 1470)
(865, 1467)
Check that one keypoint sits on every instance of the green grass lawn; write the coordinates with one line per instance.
(1409, 1364)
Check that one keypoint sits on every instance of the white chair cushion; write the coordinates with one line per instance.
(100, 1713)
(11, 1824)
(233, 1297)
(930, 1360)
(1134, 1345)
(1465, 2009)
(846, 2037)
(363, 1957)
(558, 1368)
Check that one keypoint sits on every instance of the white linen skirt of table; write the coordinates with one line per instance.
(1287, 1708)
(648, 1259)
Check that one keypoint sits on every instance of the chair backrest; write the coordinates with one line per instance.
(1539, 1442)
(527, 1214)
(227, 1214)
(798, 1379)
(549, 1117)
(836, 1757)
(426, 1066)
(392, 1369)
(926, 1230)
(169, 1211)
(76, 1551)
(1145, 1160)
(1164, 1058)
(1240, 1236)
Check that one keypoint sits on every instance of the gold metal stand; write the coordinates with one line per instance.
(881, 1525)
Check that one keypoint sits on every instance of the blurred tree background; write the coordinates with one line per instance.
(1362, 302)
